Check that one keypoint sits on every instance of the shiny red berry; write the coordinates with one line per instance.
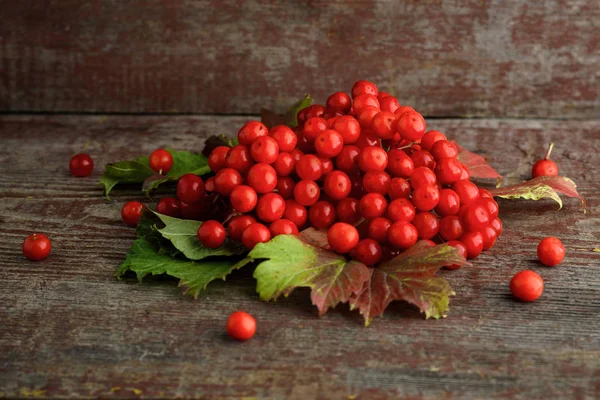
(327, 165)
(337, 185)
(36, 247)
(476, 217)
(309, 167)
(254, 234)
(551, 251)
(368, 252)
(329, 143)
(348, 127)
(283, 227)
(342, 237)
(322, 214)
(462, 250)
(423, 158)
(545, 167)
(399, 188)
(284, 165)
(313, 127)
(367, 138)
(169, 206)
(81, 165)
(348, 211)
(364, 87)
(473, 241)
(132, 212)
(270, 207)
(388, 103)
(241, 326)
(251, 131)
(161, 161)
(467, 191)
(401, 209)
(489, 236)
(402, 234)
(383, 124)
(427, 225)
(262, 178)
(429, 138)
(339, 101)
(217, 160)
(373, 159)
(527, 285)
(285, 137)
(373, 205)
(376, 182)
(347, 160)
(226, 180)
(448, 171)
(285, 187)
(497, 225)
(400, 164)
(211, 234)
(377, 229)
(426, 197)
(449, 203)
(239, 158)
(306, 192)
(243, 198)
(264, 150)
(422, 176)
(295, 212)
(365, 120)
(443, 149)
(411, 126)
(238, 224)
(451, 227)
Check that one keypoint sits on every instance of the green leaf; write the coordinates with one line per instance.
(290, 118)
(143, 260)
(411, 277)
(291, 263)
(183, 234)
(539, 188)
(138, 171)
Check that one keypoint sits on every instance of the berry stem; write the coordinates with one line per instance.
(549, 151)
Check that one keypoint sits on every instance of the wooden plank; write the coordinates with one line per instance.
(446, 58)
(70, 329)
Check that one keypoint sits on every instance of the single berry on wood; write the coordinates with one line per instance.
(36, 247)
(527, 285)
(241, 326)
(81, 165)
(551, 251)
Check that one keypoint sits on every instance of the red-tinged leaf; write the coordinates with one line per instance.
(411, 276)
(541, 187)
(315, 237)
(476, 164)
(290, 262)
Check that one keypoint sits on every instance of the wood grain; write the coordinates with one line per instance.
(69, 329)
(444, 57)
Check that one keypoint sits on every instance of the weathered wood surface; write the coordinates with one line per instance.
(68, 328)
(513, 58)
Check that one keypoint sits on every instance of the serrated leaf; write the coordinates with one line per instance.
(290, 118)
(291, 263)
(539, 188)
(477, 165)
(411, 277)
(138, 171)
(183, 234)
(143, 260)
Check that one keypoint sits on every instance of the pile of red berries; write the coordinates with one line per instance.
(362, 167)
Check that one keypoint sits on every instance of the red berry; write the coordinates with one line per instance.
(449, 203)
(373, 159)
(270, 207)
(329, 143)
(217, 160)
(376, 182)
(383, 124)
(132, 212)
(295, 212)
(467, 191)
(283, 227)
(423, 158)
(243, 198)
(161, 161)
(347, 160)
(465, 175)
(305, 145)
(402, 234)
(339, 101)
(348, 127)
(427, 225)
(195, 211)
(36, 247)
(309, 167)
(237, 224)
(429, 138)
(321, 214)
(489, 236)
(401, 209)
(342, 237)
(251, 131)
(327, 165)
(399, 188)
(81, 165)
(212, 234)
(169, 206)
(473, 241)
(388, 103)
(476, 217)
(348, 211)
(497, 225)
(373, 205)
(400, 164)
(422, 176)
(544, 168)
(367, 138)
(368, 252)
(255, 233)
(313, 127)
(284, 164)
(377, 229)
(365, 118)
(241, 325)
(485, 194)
(551, 251)
(382, 95)
(285, 137)
(411, 126)
(225, 181)
(462, 250)
(426, 197)
(239, 158)
(364, 87)
(448, 171)
(451, 227)
(306, 192)
(264, 150)
(315, 110)
(285, 187)
(490, 205)
(527, 285)
(444, 149)
(337, 185)
(403, 109)
(262, 178)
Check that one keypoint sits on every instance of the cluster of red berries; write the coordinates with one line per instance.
(362, 167)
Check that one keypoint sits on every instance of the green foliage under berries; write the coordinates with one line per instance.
(139, 171)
